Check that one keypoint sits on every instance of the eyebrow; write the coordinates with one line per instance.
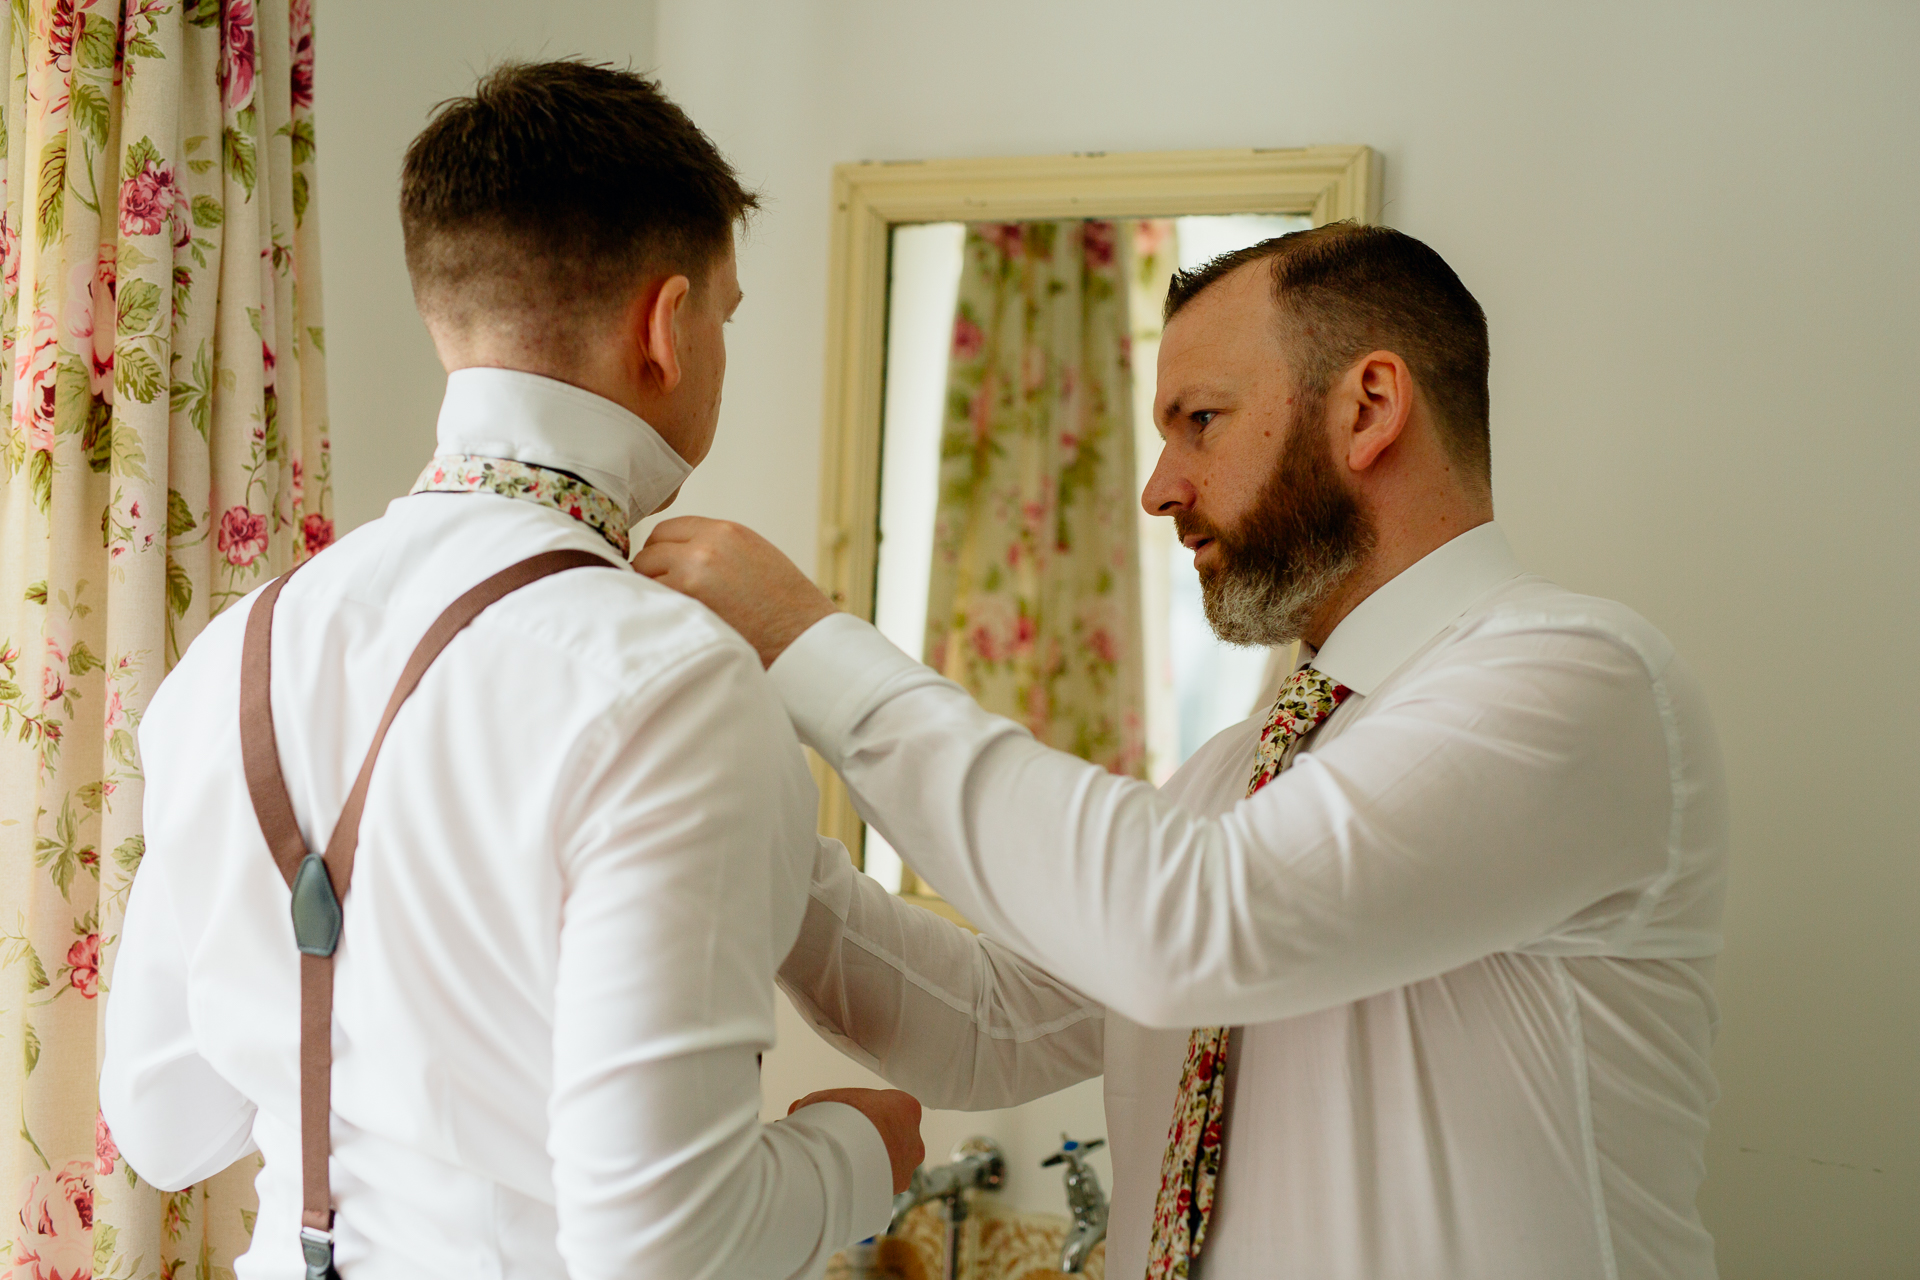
(1175, 405)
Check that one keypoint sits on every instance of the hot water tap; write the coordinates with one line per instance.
(977, 1164)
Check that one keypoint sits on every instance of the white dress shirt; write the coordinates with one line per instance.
(1466, 934)
(586, 848)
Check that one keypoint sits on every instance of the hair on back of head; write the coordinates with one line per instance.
(548, 194)
(1345, 289)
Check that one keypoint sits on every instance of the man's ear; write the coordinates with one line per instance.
(656, 316)
(1379, 388)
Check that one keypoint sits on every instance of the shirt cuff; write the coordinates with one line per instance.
(832, 675)
(870, 1165)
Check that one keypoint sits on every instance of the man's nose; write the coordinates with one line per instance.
(1168, 489)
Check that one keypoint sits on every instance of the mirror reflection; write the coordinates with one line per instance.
(1014, 557)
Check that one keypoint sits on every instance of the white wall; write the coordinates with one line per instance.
(1696, 235)
(383, 64)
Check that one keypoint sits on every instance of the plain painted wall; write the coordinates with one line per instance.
(1696, 230)
(383, 64)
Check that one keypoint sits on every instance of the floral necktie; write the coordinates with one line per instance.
(560, 490)
(1197, 1135)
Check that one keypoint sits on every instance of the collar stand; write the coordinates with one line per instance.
(525, 417)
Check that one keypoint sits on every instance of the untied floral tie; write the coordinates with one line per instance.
(1191, 1167)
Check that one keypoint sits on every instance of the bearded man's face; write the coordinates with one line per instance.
(1249, 472)
(1305, 534)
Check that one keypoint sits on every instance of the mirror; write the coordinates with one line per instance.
(994, 328)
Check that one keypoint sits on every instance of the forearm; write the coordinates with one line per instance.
(694, 1185)
(954, 1019)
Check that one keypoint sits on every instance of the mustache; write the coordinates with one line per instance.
(1191, 523)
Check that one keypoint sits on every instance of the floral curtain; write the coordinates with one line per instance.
(164, 452)
(1034, 603)
(1156, 253)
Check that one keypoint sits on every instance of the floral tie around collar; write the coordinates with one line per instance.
(1191, 1167)
(471, 473)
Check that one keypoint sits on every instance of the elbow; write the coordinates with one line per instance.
(1160, 1006)
(122, 1137)
(1177, 987)
(157, 1142)
(166, 1179)
(1152, 990)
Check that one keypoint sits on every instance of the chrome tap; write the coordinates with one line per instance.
(977, 1165)
(1085, 1202)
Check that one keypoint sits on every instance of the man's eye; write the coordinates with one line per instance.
(1201, 417)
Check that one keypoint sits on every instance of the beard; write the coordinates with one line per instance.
(1305, 536)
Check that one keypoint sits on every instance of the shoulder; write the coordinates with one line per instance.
(620, 627)
(1533, 638)
(1533, 606)
(209, 670)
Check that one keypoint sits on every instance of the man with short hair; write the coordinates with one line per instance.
(587, 843)
(1407, 977)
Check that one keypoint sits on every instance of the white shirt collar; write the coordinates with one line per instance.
(1389, 626)
(505, 413)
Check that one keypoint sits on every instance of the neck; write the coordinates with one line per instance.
(1399, 545)
(606, 380)
(612, 370)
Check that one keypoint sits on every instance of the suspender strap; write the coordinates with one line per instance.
(319, 884)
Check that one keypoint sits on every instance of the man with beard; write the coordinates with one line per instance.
(1408, 977)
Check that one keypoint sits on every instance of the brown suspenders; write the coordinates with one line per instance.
(319, 884)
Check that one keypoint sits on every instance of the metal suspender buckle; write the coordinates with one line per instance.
(316, 911)
(317, 1246)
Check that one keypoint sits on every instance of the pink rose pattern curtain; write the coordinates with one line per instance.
(1034, 600)
(164, 452)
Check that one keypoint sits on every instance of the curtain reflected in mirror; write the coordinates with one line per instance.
(1017, 431)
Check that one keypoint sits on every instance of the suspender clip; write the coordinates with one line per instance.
(317, 1246)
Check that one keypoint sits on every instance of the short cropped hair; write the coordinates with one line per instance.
(1345, 289)
(555, 189)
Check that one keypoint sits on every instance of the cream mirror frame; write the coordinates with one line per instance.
(869, 199)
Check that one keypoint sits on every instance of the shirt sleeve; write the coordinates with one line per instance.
(174, 1118)
(955, 1019)
(1471, 810)
(675, 851)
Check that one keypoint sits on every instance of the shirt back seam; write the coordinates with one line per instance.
(1583, 1102)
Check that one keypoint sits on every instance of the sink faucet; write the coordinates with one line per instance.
(977, 1164)
(1085, 1202)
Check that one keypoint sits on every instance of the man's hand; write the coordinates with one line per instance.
(895, 1114)
(739, 575)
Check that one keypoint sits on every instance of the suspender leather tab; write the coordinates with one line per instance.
(318, 883)
(316, 912)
